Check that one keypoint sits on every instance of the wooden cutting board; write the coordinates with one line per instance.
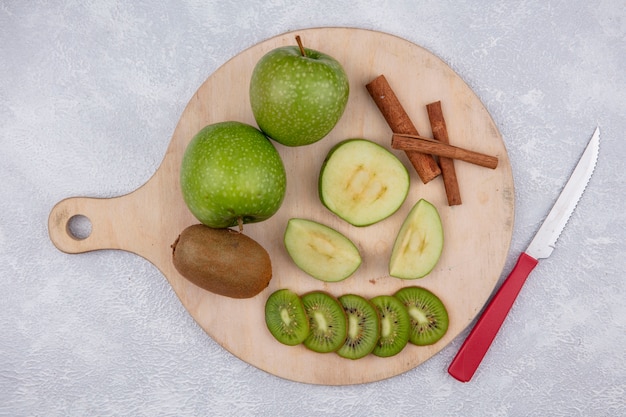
(477, 233)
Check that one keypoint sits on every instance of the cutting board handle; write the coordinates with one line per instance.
(101, 213)
(141, 222)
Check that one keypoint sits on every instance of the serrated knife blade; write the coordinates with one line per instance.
(474, 348)
(544, 241)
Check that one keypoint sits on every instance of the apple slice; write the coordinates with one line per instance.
(419, 243)
(362, 182)
(321, 251)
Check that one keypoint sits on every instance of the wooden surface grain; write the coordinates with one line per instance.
(477, 233)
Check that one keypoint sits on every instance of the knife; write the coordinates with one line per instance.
(478, 341)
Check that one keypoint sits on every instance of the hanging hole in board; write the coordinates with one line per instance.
(79, 227)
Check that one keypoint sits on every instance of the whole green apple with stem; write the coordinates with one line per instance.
(231, 174)
(298, 94)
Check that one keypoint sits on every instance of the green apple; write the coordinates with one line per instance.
(231, 174)
(320, 250)
(297, 94)
(419, 243)
(362, 182)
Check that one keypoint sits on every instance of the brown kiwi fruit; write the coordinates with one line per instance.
(429, 317)
(222, 261)
(327, 322)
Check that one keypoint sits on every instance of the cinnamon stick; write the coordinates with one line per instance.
(399, 122)
(433, 147)
(448, 172)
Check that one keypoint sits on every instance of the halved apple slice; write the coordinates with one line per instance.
(321, 251)
(362, 182)
(419, 243)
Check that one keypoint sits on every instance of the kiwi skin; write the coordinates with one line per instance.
(222, 261)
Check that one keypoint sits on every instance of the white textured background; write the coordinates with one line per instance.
(90, 93)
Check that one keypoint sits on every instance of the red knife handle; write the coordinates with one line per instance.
(477, 343)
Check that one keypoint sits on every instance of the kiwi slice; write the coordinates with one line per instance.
(285, 317)
(429, 317)
(327, 322)
(394, 325)
(363, 327)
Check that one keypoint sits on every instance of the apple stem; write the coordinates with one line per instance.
(240, 223)
(302, 51)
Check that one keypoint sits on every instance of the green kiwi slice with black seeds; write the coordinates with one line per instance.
(363, 327)
(285, 317)
(429, 317)
(394, 325)
(327, 322)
